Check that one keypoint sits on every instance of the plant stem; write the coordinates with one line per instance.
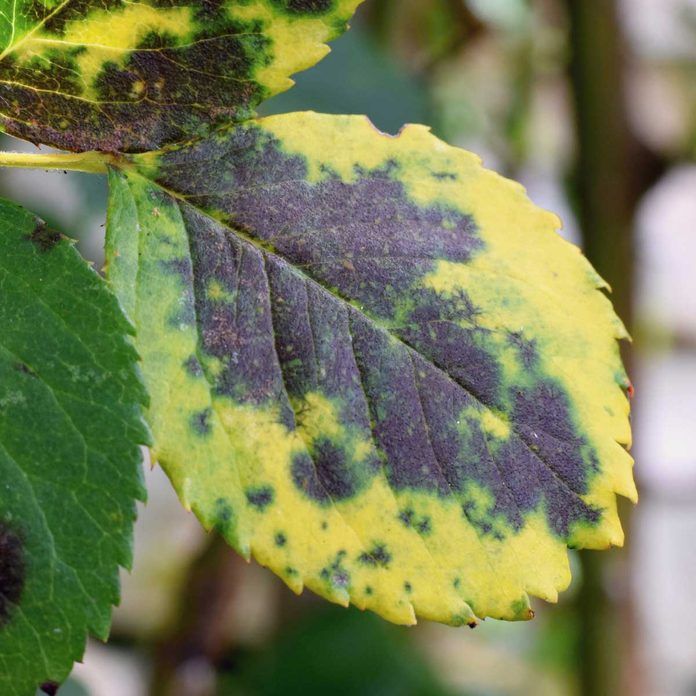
(612, 170)
(90, 162)
(185, 658)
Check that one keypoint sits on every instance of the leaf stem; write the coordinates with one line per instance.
(90, 162)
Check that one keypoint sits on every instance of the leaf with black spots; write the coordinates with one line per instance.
(373, 365)
(70, 424)
(132, 76)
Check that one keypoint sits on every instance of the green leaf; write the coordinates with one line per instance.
(117, 75)
(70, 421)
(327, 650)
(373, 364)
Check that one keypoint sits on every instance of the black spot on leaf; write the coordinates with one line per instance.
(44, 238)
(193, 366)
(406, 516)
(328, 474)
(332, 468)
(378, 555)
(409, 519)
(224, 515)
(24, 369)
(200, 421)
(442, 176)
(424, 526)
(260, 497)
(335, 573)
(157, 40)
(12, 571)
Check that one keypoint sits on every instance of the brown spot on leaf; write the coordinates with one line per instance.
(43, 237)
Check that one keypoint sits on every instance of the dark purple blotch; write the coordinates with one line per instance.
(335, 573)
(377, 555)
(223, 516)
(13, 570)
(200, 421)
(193, 366)
(260, 497)
(327, 281)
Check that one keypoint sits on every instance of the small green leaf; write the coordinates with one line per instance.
(130, 76)
(70, 421)
(373, 365)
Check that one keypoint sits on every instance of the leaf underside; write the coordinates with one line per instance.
(70, 414)
(373, 365)
(132, 76)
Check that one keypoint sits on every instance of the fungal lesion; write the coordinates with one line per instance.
(260, 497)
(420, 523)
(335, 574)
(193, 366)
(340, 457)
(377, 555)
(13, 571)
(223, 516)
(201, 422)
(305, 7)
(478, 507)
(43, 237)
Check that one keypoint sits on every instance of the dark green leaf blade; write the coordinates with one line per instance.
(374, 365)
(70, 424)
(115, 75)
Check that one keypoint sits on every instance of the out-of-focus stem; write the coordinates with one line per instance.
(185, 660)
(611, 172)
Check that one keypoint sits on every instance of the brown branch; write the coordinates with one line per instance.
(612, 170)
(186, 657)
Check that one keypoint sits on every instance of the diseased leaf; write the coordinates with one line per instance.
(70, 421)
(373, 364)
(131, 76)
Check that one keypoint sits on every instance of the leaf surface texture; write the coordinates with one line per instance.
(70, 421)
(373, 364)
(132, 76)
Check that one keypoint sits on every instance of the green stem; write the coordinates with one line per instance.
(90, 162)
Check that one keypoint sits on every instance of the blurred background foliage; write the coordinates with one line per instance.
(592, 105)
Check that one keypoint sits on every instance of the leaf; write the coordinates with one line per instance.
(70, 419)
(117, 75)
(373, 364)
